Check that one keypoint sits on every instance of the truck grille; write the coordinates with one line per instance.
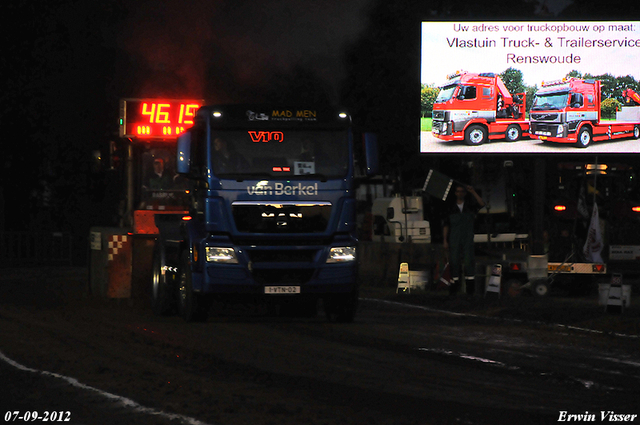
(544, 129)
(289, 217)
(544, 117)
(282, 255)
(253, 240)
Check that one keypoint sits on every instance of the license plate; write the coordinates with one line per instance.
(281, 289)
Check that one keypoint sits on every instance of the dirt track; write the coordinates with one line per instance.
(395, 365)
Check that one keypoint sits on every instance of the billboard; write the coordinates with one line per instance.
(530, 87)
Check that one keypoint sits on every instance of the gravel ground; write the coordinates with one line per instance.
(420, 358)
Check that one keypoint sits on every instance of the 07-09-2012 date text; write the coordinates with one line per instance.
(32, 416)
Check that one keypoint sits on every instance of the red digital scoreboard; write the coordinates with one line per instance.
(156, 118)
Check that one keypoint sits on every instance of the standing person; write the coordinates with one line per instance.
(157, 186)
(160, 178)
(458, 237)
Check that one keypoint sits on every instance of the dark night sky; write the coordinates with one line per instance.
(67, 62)
(208, 47)
(81, 56)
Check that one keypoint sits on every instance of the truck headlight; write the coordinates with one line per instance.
(214, 254)
(560, 130)
(444, 127)
(342, 254)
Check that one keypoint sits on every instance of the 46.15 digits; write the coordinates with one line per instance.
(162, 119)
(160, 113)
(32, 416)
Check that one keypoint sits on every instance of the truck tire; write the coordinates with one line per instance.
(162, 295)
(540, 288)
(475, 135)
(341, 308)
(584, 137)
(513, 133)
(193, 307)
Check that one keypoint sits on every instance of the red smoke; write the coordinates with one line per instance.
(221, 50)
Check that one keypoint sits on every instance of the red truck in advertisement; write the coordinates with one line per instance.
(568, 111)
(478, 107)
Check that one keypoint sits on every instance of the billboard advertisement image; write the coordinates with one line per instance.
(530, 87)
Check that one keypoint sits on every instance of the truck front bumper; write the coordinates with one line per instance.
(228, 279)
(553, 132)
(444, 130)
(280, 269)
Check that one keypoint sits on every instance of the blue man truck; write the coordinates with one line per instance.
(272, 213)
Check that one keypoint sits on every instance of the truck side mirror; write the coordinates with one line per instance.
(183, 159)
(390, 213)
(371, 153)
(577, 100)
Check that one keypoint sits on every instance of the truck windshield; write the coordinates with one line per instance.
(549, 101)
(446, 93)
(286, 153)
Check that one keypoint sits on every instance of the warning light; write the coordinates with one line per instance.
(596, 166)
(635, 209)
(560, 208)
(186, 218)
(515, 267)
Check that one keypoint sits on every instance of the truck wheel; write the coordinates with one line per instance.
(193, 306)
(541, 288)
(341, 308)
(636, 131)
(513, 133)
(584, 137)
(475, 135)
(162, 300)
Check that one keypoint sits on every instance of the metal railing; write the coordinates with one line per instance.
(35, 248)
